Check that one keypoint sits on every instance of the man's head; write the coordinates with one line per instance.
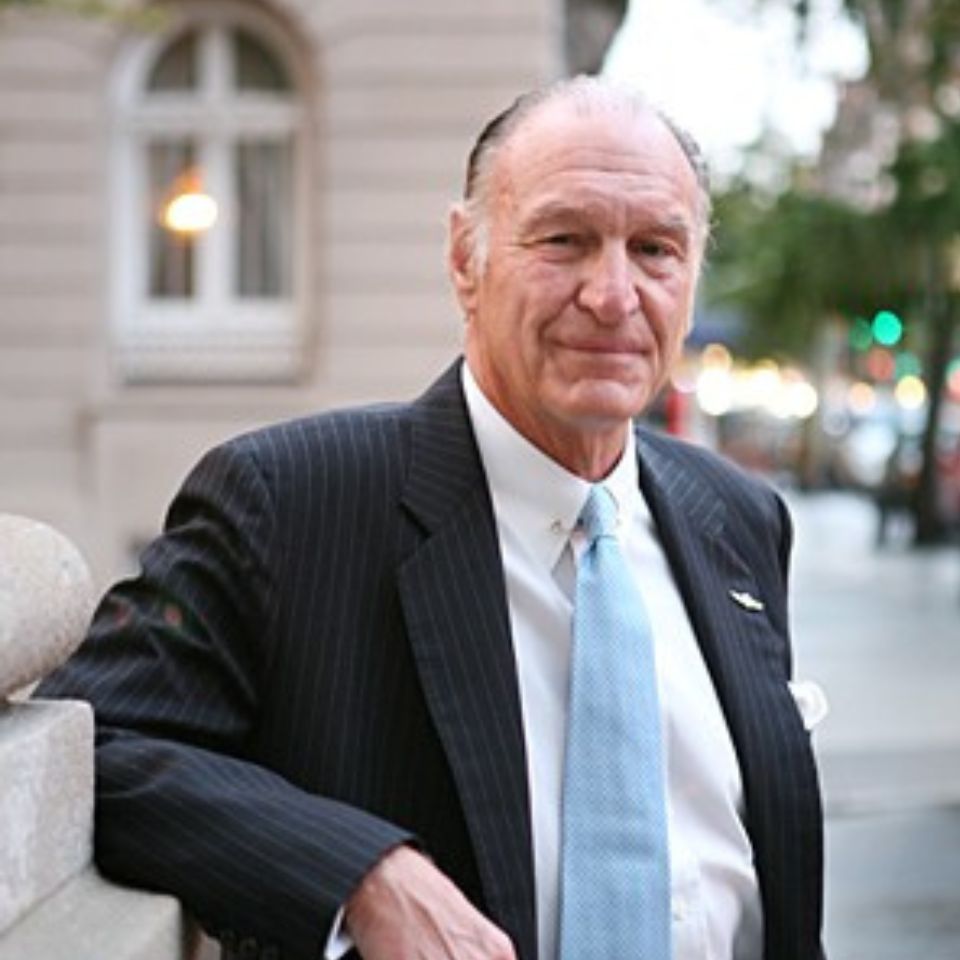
(575, 255)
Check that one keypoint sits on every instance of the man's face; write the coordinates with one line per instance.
(585, 297)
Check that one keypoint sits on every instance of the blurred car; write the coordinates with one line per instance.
(882, 456)
(864, 453)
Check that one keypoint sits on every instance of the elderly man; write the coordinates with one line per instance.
(491, 674)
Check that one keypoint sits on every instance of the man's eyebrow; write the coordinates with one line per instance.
(676, 226)
(552, 211)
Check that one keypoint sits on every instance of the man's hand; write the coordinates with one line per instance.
(406, 909)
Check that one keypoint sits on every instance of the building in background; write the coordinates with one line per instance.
(226, 215)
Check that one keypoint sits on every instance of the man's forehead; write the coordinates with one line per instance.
(624, 151)
(613, 138)
(569, 120)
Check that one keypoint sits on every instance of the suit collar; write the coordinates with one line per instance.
(679, 495)
(691, 521)
(455, 607)
(445, 470)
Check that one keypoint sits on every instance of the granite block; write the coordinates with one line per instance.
(91, 919)
(46, 800)
(46, 601)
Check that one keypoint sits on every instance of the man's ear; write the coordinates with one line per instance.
(461, 262)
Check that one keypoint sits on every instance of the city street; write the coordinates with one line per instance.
(880, 631)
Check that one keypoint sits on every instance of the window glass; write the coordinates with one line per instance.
(263, 190)
(176, 69)
(208, 160)
(171, 169)
(255, 67)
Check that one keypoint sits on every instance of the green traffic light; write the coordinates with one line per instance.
(861, 335)
(887, 328)
(908, 365)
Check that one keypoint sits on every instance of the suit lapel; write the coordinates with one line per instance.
(745, 657)
(691, 522)
(454, 602)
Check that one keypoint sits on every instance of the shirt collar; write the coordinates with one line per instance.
(533, 495)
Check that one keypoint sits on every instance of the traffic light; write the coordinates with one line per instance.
(908, 365)
(861, 335)
(881, 365)
(887, 328)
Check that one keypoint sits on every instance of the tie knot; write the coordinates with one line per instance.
(599, 514)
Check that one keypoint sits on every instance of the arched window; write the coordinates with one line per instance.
(206, 223)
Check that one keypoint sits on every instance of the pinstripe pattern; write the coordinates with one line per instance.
(723, 531)
(315, 664)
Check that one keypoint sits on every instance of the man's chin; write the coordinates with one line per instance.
(605, 405)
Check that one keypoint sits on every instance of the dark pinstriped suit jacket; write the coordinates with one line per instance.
(316, 664)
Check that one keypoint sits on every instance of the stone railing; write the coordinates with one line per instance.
(53, 904)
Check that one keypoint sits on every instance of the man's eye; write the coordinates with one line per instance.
(561, 240)
(652, 248)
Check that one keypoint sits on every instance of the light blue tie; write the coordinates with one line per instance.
(615, 875)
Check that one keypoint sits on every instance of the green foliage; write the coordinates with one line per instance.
(927, 203)
(120, 11)
(84, 7)
(792, 262)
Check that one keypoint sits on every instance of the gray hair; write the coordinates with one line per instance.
(586, 94)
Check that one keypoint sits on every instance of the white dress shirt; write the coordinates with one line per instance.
(536, 502)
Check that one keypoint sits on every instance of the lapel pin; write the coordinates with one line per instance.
(746, 600)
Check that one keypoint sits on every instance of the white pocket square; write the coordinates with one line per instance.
(811, 701)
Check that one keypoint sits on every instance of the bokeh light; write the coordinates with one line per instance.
(887, 328)
(911, 393)
(861, 398)
(190, 213)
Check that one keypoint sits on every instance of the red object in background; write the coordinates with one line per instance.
(675, 410)
(949, 470)
(881, 365)
(953, 381)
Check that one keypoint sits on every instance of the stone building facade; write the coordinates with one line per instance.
(332, 133)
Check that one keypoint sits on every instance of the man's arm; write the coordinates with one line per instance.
(174, 666)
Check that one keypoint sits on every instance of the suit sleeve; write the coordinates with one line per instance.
(174, 667)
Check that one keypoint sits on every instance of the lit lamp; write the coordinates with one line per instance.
(189, 211)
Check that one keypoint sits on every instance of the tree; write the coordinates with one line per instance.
(793, 261)
(925, 215)
(127, 12)
(828, 247)
(914, 48)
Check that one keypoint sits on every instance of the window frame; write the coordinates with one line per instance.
(216, 335)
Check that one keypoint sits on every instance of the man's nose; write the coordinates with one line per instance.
(608, 290)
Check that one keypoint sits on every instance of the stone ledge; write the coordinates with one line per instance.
(46, 803)
(46, 599)
(91, 919)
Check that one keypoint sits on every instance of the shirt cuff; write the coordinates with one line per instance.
(339, 942)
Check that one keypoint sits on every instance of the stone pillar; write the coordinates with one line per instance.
(53, 904)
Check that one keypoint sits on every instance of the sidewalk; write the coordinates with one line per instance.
(880, 631)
